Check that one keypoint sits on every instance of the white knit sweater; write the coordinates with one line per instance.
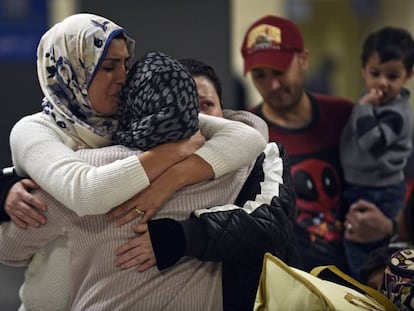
(96, 283)
(43, 151)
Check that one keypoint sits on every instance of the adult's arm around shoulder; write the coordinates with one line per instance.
(248, 118)
(46, 153)
(230, 144)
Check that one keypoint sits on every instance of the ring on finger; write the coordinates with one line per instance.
(139, 212)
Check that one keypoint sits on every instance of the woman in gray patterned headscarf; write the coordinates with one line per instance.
(159, 103)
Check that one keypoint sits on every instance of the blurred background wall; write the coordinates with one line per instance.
(208, 30)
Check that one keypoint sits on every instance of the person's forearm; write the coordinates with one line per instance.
(187, 172)
(157, 160)
(190, 171)
(232, 146)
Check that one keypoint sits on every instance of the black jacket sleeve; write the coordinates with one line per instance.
(263, 221)
(6, 182)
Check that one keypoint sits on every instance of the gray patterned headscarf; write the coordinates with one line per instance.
(159, 103)
(68, 56)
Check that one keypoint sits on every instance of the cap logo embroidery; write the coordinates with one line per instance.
(264, 37)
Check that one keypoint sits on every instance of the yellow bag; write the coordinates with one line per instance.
(285, 288)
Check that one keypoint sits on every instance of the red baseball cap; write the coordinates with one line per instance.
(272, 42)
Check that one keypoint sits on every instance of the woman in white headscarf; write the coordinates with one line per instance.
(82, 65)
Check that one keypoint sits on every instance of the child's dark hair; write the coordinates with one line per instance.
(198, 68)
(391, 43)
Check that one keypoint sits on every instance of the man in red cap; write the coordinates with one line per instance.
(309, 126)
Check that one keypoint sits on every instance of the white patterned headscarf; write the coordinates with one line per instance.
(159, 103)
(68, 57)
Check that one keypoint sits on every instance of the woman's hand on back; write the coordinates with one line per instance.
(137, 252)
(23, 208)
(146, 203)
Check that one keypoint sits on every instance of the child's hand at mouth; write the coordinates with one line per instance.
(373, 97)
